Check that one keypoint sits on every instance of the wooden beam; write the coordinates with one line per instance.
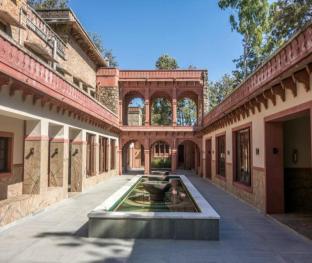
(290, 84)
(279, 90)
(270, 95)
(303, 77)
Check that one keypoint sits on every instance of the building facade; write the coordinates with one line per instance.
(67, 122)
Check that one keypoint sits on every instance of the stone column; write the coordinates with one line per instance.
(109, 153)
(174, 105)
(120, 112)
(147, 162)
(147, 106)
(36, 157)
(97, 155)
(119, 153)
(76, 160)
(174, 161)
(58, 156)
(199, 111)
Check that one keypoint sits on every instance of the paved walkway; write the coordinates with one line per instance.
(59, 235)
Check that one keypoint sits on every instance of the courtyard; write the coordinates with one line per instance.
(59, 234)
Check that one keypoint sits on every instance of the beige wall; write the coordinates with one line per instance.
(79, 64)
(257, 195)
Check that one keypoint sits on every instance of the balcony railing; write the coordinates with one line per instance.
(43, 30)
(294, 51)
(20, 65)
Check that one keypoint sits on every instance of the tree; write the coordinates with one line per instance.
(166, 62)
(220, 89)
(286, 17)
(107, 53)
(186, 112)
(249, 18)
(48, 4)
(161, 112)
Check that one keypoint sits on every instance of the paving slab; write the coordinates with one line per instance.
(59, 234)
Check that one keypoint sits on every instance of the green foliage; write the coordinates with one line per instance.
(186, 112)
(220, 89)
(286, 17)
(107, 53)
(48, 4)
(161, 163)
(166, 62)
(161, 112)
(249, 18)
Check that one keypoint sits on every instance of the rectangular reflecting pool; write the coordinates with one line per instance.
(155, 207)
(175, 199)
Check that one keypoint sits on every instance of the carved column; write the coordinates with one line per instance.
(174, 105)
(147, 106)
(174, 156)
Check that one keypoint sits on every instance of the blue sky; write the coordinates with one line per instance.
(195, 32)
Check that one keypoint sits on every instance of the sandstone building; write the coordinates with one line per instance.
(64, 128)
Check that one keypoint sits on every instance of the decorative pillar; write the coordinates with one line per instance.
(173, 161)
(120, 112)
(58, 156)
(109, 155)
(174, 105)
(147, 106)
(199, 111)
(76, 160)
(36, 157)
(147, 162)
(119, 153)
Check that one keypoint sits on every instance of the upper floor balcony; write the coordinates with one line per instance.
(27, 73)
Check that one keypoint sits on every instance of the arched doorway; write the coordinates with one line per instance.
(133, 157)
(188, 156)
(160, 156)
(134, 109)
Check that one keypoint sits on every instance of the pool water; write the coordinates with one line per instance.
(176, 199)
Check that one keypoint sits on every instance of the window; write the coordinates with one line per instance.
(6, 143)
(242, 158)
(103, 153)
(113, 154)
(220, 155)
(90, 155)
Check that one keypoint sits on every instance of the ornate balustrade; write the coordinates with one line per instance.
(161, 74)
(18, 64)
(288, 56)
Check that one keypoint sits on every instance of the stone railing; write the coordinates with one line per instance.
(161, 74)
(43, 30)
(294, 51)
(20, 65)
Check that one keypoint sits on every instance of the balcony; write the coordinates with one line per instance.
(19, 64)
(43, 30)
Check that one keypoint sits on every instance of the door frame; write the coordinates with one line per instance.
(273, 124)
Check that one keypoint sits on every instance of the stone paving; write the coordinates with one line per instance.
(59, 235)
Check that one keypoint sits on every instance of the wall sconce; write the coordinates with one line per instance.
(55, 152)
(228, 152)
(75, 152)
(257, 151)
(31, 152)
(294, 156)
